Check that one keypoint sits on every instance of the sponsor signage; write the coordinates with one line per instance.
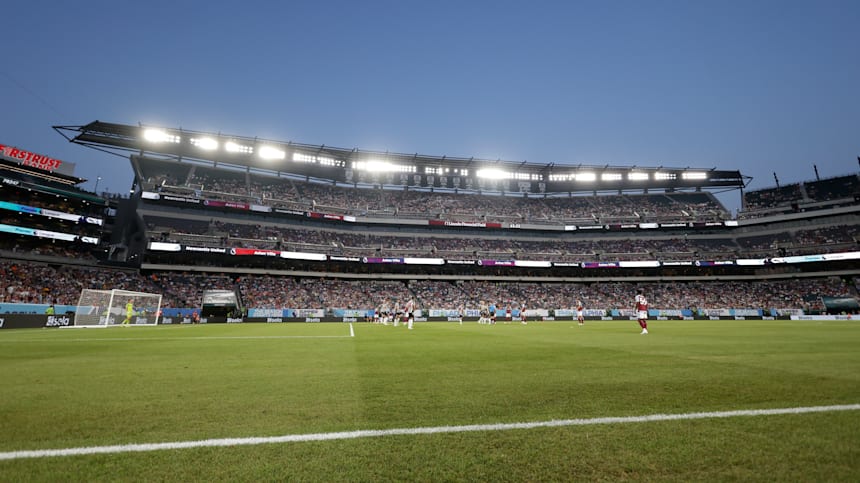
(497, 263)
(337, 258)
(713, 263)
(180, 199)
(165, 247)
(254, 252)
(205, 249)
(290, 212)
(639, 264)
(467, 224)
(382, 260)
(227, 204)
(532, 263)
(600, 264)
(324, 216)
(35, 160)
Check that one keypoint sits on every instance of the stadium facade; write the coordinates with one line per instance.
(293, 229)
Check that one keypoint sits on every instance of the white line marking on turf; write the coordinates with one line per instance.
(351, 331)
(375, 433)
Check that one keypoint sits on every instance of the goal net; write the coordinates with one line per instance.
(105, 308)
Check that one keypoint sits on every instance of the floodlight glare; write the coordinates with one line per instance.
(661, 176)
(610, 176)
(234, 147)
(208, 144)
(694, 175)
(493, 173)
(159, 136)
(637, 176)
(586, 176)
(270, 152)
(378, 166)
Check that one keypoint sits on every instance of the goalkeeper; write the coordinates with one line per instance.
(129, 312)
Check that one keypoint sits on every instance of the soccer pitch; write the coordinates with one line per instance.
(363, 402)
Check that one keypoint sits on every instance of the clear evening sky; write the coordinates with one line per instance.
(759, 86)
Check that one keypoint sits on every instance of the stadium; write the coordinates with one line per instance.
(239, 252)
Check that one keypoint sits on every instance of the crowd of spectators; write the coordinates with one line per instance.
(569, 247)
(215, 184)
(31, 282)
(799, 196)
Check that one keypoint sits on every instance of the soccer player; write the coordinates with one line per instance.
(579, 313)
(409, 308)
(483, 313)
(383, 313)
(492, 311)
(642, 310)
(129, 312)
(523, 313)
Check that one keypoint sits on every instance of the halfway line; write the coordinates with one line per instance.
(375, 433)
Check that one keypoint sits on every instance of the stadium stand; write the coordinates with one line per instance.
(286, 241)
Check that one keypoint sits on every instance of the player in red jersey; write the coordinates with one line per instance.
(579, 313)
(642, 310)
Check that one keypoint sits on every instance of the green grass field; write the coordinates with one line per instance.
(90, 388)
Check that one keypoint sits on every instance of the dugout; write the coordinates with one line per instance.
(841, 305)
(221, 303)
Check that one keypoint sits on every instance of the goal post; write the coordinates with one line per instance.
(106, 308)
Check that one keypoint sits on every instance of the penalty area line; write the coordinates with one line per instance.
(376, 433)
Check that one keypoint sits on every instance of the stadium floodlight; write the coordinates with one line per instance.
(663, 176)
(587, 176)
(271, 152)
(234, 147)
(208, 144)
(694, 175)
(610, 177)
(378, 166)
(159, 136)
(637, 176)
(493, 173)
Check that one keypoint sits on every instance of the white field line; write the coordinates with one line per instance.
(351, 331)
(375, 433)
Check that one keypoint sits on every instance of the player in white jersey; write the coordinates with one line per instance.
(484, 313)
(580, 318)
(409, 309)
(397, 312)
(383, 313)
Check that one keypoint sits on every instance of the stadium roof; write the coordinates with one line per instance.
(340, 164)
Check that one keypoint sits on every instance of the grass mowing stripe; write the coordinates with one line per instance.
(415, 431)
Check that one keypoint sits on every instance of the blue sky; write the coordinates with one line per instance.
(758, 86)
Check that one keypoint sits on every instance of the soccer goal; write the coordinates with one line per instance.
(106, 308)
